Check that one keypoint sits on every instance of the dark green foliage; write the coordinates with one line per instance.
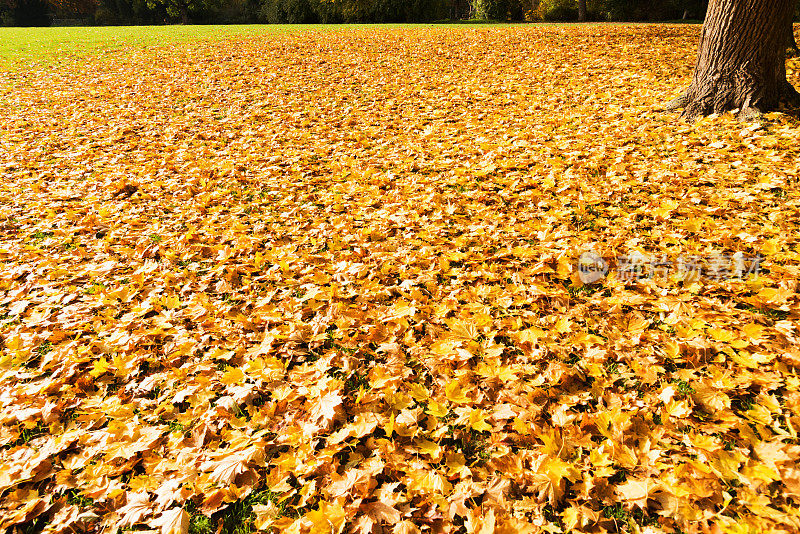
(410, 10)
(501, 10)
(349, 11)
(25, 13)
(558, 10)
(621, 10)
(654, 10)
(288, 11)
(110, 12)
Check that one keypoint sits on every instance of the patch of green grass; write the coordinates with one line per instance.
(39, 236)
(474, 445)
(175, 426)
(618, 477)
(684, 388)
(775, 315)
(583, 222)
(586, 289)
(44, 348)
(465, 21)
(615, 512)
(27, 434)
(552, 515)
(200, 524)
(637, 517)
(74, 497)
(94, 289)
(238, 518)
(21, 46)
(356, 382)
(744, 402)
(657, 419)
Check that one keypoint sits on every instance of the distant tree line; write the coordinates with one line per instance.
(109, 12)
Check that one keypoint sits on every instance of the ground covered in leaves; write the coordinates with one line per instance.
(327, 283)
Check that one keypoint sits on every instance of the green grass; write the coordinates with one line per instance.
(237, 518)
(19, 46)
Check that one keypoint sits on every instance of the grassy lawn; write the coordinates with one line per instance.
(23, 45)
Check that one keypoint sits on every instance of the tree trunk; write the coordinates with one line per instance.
(581, 10)
(741, 63)
(791, 47)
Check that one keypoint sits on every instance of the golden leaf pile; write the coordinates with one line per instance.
(330, 279)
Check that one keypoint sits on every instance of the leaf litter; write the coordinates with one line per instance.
(328, 282)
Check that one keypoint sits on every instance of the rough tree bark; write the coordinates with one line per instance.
(741, 63)
(582, 11)
(184, 9)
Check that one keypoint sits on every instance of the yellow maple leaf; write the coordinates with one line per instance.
(638, 490)
(464, 330)
(430, 448)
(711, 398)
(455, 393)
(752, 332)
(437, 410)
(477, 421)
(171, 302)
(233, 375)
(100, 367)
(329, 518)
(720, 334)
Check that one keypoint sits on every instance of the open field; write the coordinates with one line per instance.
(327, 282)
(25, 47)
(21, 46)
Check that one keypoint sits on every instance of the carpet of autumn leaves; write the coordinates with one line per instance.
(327, 283)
